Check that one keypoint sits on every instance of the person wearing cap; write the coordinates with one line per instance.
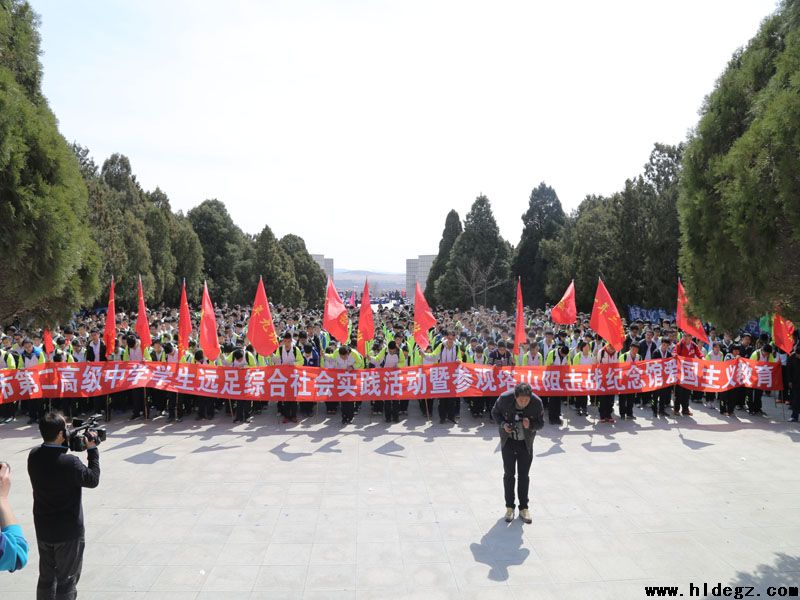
(288, 354)
(763, 354)
(584, 356)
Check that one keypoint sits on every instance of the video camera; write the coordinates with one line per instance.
(76, 435)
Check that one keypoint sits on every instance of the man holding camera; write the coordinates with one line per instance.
(520, 414)
(57, 479)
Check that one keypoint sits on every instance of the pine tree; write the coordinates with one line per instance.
(50, 263)
(739, 203)
(542, 221)
(478, 272)
(452, 229)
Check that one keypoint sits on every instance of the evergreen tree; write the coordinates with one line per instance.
(310, 277)
(224, 247)
(188, 254)
(542, 221)
(277, 269)
(50, 264)
(478, 271)
(452, 229)
(739, 202)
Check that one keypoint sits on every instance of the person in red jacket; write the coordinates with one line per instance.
(687, 348)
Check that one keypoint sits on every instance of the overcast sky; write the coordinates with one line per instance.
(358, 125)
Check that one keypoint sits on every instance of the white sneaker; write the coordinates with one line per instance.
(525, 515)
(509, 515)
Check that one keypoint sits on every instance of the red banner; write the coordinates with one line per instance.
(311, 384)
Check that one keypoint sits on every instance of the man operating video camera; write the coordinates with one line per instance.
(57, 478)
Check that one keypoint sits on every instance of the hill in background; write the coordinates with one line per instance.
(378, 282)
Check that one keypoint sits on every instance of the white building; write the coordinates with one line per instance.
(417, 270)
(326, 264)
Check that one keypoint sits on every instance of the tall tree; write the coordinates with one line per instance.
(188, 254)
(50, 264)
(478, 272)
(739, 203)
(277, 269)
(224, 247)
(310, 277)
(542, 221)
(452, 229)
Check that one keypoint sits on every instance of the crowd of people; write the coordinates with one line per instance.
(478, 335)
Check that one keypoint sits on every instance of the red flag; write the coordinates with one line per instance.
(209, 342)
(47, 338)
(366, 324)
(605, 319)
(352, 302)
(519, 331)
(423, 319)
(110, 331)
(334, 319)
(261, 329)
(782, 333)
(184, 323)
(690, 325)
(142, 325)
(565, 313)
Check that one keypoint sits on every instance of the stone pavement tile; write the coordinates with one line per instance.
(424, 552)
(281, 578)
(276, 595)
(388, 576)
(340, 532)
(615, 566)
(231, 578)
(329, 595)
(420, 532)
(114, 579)
(324, 553)
(178, 579)
(331, 577)
(250, 534)
(292, 531)
(378, 553)
(431, 575)
(398, 593)
(243, 554)
(105, 554)
(281, 554)
(224, 595)
(433, 594)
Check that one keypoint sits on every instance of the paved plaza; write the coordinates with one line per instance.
(220, 511)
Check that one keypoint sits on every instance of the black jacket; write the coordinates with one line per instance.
(57, 479)
(90, 357)
(643, 349)
(505, 409)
